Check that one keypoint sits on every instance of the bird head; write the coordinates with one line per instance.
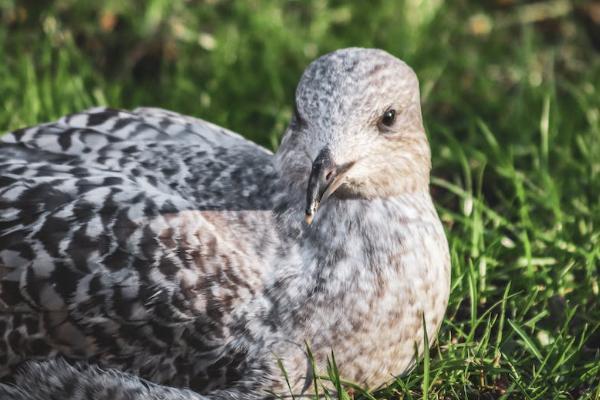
(357, 130)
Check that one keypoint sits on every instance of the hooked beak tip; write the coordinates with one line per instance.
(311, 211)
(309, 218)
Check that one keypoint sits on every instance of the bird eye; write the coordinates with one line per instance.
(388, 118)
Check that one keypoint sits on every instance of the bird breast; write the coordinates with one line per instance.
(374, 287)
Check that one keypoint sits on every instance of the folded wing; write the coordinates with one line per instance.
(128, 232)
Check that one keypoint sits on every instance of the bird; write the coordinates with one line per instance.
(148, 254)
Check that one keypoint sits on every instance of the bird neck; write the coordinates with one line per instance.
(363, 230)
(369, 225)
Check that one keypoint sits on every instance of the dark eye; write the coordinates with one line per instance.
(388, 118)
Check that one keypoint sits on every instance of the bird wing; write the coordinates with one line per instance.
(123, 232)
(56, 379)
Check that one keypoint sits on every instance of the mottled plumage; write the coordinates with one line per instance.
(165, 248)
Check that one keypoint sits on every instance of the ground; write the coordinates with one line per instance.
(511, 100)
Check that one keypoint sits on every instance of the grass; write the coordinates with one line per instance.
(512, 105)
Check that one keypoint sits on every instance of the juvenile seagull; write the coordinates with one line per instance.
(155, 247)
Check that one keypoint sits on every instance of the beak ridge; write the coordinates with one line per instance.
(322, 175)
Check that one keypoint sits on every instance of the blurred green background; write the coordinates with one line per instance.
(237, 63)
(511, 101)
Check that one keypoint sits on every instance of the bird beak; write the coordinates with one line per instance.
(325, 178)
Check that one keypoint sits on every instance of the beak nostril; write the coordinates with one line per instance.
(328, 176)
